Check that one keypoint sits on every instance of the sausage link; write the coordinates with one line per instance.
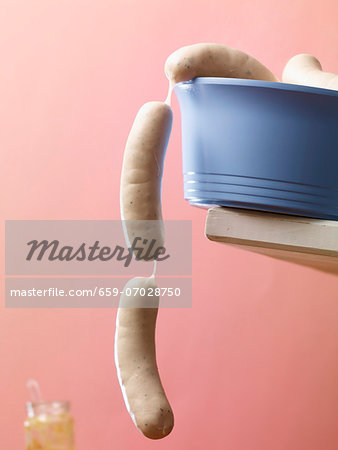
(214, 60)
(140, 193)
(135, 360)
(306, 70)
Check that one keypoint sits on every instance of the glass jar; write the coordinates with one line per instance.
(49, 426)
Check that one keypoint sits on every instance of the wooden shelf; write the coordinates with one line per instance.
(301, 240)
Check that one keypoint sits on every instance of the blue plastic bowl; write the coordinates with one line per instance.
(260, 145)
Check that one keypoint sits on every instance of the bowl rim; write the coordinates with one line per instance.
(259, 83)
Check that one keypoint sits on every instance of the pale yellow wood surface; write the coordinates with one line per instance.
(301, 240)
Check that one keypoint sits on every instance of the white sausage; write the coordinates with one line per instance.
(141, 212)
(306, 70)
(135, 360)
(142, 170)
(214, 60)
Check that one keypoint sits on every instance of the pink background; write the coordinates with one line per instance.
(253, 365)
